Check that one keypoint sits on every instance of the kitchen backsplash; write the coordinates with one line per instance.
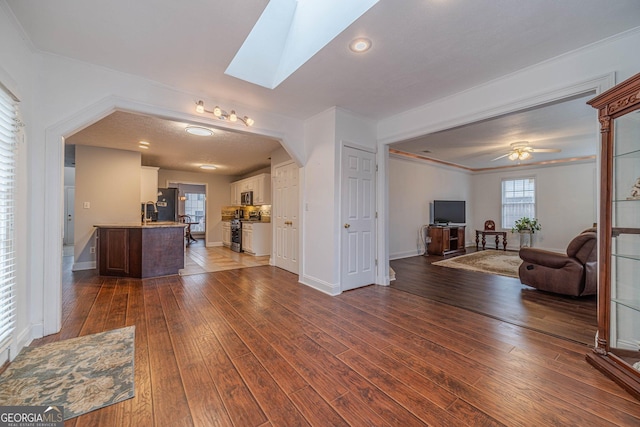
(228, 212)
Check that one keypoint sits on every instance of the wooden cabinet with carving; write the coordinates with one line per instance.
(617, 347)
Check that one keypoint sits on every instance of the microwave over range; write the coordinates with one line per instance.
(246, 198)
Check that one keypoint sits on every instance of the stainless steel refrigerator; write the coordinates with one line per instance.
(167, 204)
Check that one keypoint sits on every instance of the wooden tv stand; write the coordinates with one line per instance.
(446, 240)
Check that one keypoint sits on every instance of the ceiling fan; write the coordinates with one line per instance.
(521, 150)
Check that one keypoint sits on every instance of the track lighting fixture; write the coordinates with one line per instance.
(223, 115)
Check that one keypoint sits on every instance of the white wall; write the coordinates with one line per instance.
(218, 195)
(319, 267)
(413, 186)
(18, 72)
(109, 180)
(325, 135)
(566, 202)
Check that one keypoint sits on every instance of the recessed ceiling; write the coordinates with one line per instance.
(171, 147)
(569, 125)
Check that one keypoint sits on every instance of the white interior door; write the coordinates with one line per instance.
(285, 214)
(69, 200)
(358, 218)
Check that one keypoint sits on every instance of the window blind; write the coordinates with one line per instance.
(8, 123)
(518, 200)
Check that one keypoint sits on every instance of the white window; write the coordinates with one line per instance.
(8, 126)
(194, 206)
(518, 200)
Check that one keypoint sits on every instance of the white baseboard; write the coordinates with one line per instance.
(320, 285)
(406, 254)
(23, 339)
(213, 244)
(87, 265)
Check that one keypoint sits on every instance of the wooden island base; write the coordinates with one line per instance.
(140, 251)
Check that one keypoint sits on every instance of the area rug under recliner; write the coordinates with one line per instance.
(490, 261)
(80, 374)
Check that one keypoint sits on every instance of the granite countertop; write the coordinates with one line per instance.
(158, 224)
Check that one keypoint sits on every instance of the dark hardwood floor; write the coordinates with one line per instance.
(252, 347)
(500, 297)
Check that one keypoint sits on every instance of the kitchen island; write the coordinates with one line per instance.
(140, 250)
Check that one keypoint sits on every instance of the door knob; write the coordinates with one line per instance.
(347, 225)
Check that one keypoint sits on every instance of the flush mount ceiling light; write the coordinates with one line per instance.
(223, 115)
(360, 45)
(208, 167)
(199, 131)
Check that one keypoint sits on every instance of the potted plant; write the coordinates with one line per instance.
(526, 227)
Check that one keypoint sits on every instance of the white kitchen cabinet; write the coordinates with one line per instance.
(256, 238)
(259, 184)
(262, 190)
(148, 184)
(247, 240)
(247, 184)
(226, 234)
(235, 193)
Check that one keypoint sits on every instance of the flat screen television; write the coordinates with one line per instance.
(449, 211)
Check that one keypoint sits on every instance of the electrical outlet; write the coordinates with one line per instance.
(92, 250)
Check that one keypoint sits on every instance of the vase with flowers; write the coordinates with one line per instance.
(526, 227)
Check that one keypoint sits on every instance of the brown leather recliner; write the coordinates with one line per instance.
(575, 273)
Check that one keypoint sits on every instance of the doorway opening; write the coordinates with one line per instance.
(192, 202)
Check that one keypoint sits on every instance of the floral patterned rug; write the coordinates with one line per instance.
(80, 374)
(489, 261)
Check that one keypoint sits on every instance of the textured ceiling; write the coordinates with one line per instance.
(170, 147)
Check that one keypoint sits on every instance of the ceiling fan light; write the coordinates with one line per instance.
(217, 111)
(200, 107)
(233, 117)
(524, 155)
(248, 121)
(514, 155)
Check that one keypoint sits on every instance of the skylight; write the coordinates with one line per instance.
(288, 34)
